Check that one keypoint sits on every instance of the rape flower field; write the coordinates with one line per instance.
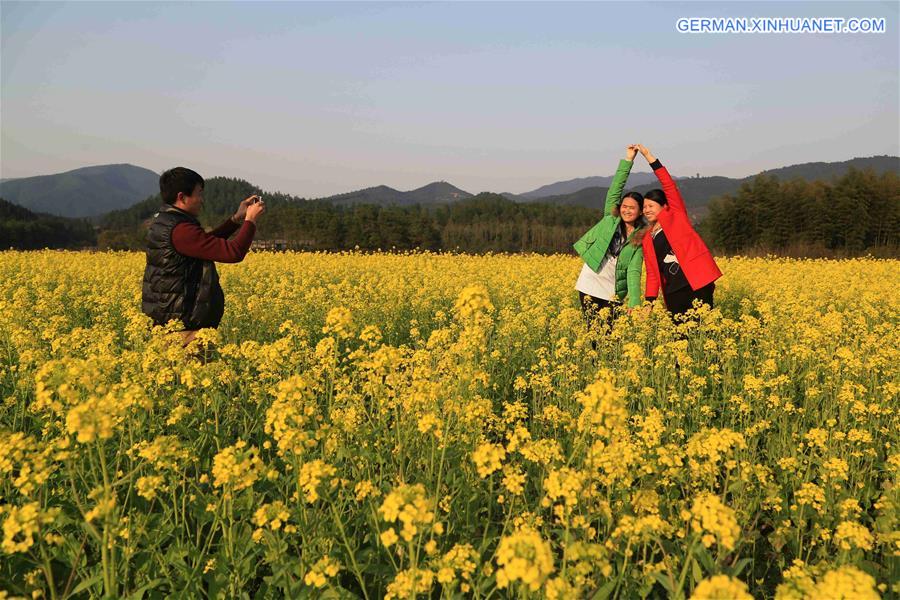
(368, 426)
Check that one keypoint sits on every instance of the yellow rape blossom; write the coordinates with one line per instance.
(721, 587)
(409, 505)
(324, 569)
(237, 467)
(22, 523)
(715, 522)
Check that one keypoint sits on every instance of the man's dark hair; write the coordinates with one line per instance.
(179, 179)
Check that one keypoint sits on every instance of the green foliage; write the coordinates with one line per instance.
(484, 223)
(857, 213)
(24, 230)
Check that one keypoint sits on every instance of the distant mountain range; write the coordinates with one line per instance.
(85, 192)
(571, 186)
(698, 191)
(439, 192)
(99, 190)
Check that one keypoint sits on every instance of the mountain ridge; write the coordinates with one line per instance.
(436, 192)
(84, 192)
(100, 190)
(699, 191)
(570, 186)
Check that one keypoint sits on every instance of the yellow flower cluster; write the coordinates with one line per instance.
(802, 582)
(460, 561)
(523, 556)
(456, 412)
(721, 587)
(312, 476)
(409, 505)
(603, 410)
(715, 522)
(164, 452)
(321, 572)
(564, 485)
(364, 489)
(849, 535)
(291, 419)
(147, 486)
(237, 467)
(339, 322)
(488, 458)
(707, 449)
(22, 523)
(472, 302)
(97, 417)
(810, 494)
(641, 529)
(410, 583)
(835, 469)
(272, 516)
(24, 462)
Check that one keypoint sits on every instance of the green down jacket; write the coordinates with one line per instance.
(593, 245)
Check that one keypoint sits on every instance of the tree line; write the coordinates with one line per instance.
(484, 223)
(25, 230)
(855, 214)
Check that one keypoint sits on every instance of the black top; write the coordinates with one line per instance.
(618, 240)
(176, 286)
(670, 271)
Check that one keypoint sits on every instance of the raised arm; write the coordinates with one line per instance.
(191, 240)
(614, 195)
(225, 230)
(673, 196)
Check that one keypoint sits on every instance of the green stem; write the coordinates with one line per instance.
(107, 558)
(350, 553)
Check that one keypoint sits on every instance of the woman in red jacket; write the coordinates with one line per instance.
(677, 259)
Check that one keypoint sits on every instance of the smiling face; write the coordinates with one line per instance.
(651, 210)
(629, 210)
(192, 204)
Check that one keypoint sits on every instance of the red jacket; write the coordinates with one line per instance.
(694, 257)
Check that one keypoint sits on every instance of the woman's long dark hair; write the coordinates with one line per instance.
(640, 222)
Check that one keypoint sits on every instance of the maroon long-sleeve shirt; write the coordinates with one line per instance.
(191, 240)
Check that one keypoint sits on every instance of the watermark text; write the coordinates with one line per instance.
(781, 25)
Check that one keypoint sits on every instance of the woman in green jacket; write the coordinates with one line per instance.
(611, 250)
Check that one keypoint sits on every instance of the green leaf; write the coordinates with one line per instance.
(664, 581)
(87, 583)
(604, 592)
(739, 566)
(139, 593)
(705, 559)
(696, 571)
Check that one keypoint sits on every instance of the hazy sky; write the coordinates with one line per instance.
(314, 99)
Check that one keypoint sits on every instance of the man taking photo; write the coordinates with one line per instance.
(180, 280)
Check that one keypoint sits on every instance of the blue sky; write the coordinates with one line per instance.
(315, 99)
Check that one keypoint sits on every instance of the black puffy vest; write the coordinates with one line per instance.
(177, 286)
